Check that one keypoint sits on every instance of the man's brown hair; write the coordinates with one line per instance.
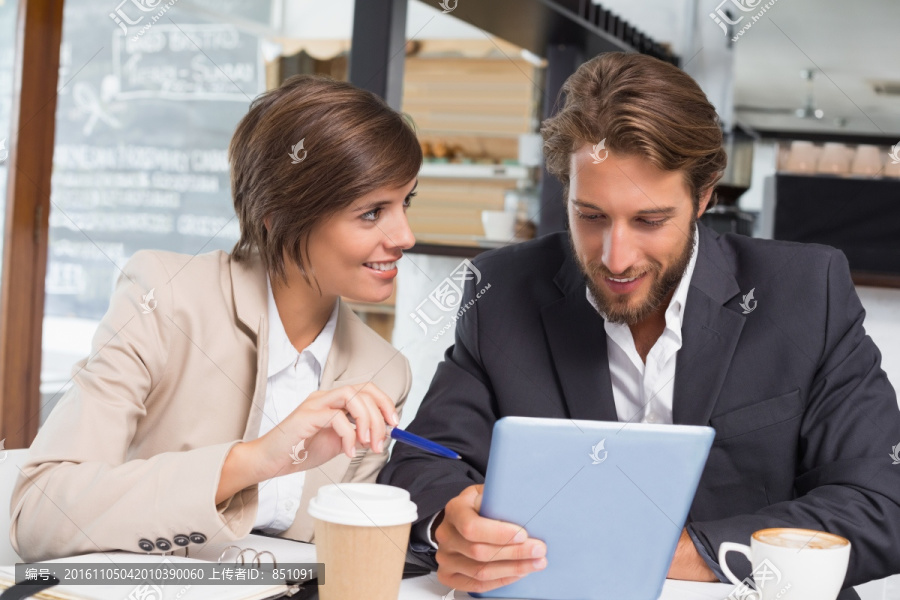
(641, 106)
(353, 144)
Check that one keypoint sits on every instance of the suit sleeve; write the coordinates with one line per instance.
(458, 412)
(80, 490)
(846, 481)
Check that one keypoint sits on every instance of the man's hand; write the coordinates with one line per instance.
(477, 554)
(688, 564)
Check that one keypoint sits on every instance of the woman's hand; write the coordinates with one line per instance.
(314, 433)
(319, 429)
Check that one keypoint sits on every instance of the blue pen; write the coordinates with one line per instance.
(421, 443)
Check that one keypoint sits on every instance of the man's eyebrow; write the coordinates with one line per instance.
(585, 204)
(659, 210)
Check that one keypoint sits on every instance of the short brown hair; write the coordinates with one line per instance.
(641, 106)
(353, 144)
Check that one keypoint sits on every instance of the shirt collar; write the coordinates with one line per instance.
(282, 353)
(675, 310)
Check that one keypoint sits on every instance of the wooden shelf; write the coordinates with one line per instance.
(461, 248)
(473, 171)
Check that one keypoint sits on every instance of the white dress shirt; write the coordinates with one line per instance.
(292, 377)
(643, 392)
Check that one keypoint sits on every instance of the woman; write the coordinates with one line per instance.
(217, 396)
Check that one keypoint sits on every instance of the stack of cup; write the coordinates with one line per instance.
(867, 161)
(835, 159)
(802, 157)
(362, 531)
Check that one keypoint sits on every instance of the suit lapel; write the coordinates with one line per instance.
(710, 333)
(577, 342)
(258, 402)
(249, 291)
(339, 356)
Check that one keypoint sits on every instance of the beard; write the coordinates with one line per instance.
(618, 308)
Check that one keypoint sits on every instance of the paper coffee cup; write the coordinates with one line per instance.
(362, 531)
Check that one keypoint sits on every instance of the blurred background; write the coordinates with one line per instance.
(115, 117)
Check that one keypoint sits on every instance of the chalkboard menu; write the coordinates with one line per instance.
(150, 94)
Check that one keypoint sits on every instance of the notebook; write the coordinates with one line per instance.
(284, 551)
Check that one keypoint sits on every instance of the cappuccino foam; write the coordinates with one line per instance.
(799, 538)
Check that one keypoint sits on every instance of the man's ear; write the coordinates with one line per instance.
(268, 223)
(705, 197)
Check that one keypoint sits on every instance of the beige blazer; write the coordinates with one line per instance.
(130, 457)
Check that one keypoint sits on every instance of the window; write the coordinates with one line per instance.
(149, 99)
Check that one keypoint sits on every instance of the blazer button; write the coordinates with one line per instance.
(198, 538)
(163, 544)
(145, 545)
(181, 540)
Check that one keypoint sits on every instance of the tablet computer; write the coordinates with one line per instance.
(609, 499)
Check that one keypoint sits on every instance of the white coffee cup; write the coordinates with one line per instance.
(362, 532)
(499, 225)
(791, 564)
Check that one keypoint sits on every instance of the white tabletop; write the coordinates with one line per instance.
(428, 588)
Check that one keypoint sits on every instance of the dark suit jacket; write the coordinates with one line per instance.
(805, 417)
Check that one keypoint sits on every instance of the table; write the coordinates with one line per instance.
(428, 588)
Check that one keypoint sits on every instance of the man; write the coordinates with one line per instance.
(640, 313)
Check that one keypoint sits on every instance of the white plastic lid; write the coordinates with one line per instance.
(363, 505)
